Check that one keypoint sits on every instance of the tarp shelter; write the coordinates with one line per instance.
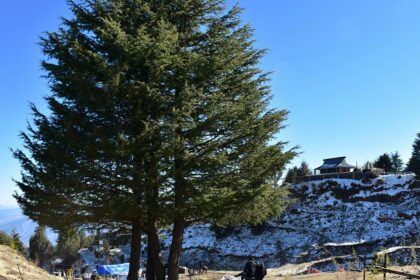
(114, 269)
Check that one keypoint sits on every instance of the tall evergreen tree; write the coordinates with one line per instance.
(396, 162)
(413, 164)
(384, 162)
(159, 114)
(68, 244)
(40, 248)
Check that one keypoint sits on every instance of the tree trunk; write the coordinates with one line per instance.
(176, 248)
(154, 254)
(150, 269)
(133, 273)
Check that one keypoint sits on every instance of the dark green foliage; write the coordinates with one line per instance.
(40, 248)
(304, 169)
(413, 164)
(384, 162)
(68, 243)
(259, 228)
(5, 239)
(159, 112)
(223, 232)
(367, 165)
(295, 172)
(396, 162)
(12, 240)
(292, 175)
(117, 238)
(17, 243)
(86, 240)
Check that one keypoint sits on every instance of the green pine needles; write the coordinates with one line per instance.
(159, 115)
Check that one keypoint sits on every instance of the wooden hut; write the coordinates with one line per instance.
(334, 165)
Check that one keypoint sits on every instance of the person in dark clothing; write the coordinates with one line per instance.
(260, 271)
(249, 270)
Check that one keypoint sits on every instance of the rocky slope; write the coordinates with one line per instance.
(329, 218)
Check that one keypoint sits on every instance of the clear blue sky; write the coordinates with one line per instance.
(348, 72)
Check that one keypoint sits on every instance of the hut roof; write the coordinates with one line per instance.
(334, 163)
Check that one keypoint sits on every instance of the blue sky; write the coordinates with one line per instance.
(348, 72)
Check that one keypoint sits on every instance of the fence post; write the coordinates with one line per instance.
(364, 268)
(385, 257)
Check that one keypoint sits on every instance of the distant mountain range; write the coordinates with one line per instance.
(13, 219)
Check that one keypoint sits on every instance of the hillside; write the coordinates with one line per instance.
(329, 218)
(11, 262)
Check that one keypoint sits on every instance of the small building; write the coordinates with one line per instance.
(334, 165)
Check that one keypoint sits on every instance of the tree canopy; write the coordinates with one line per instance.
(396, 162)
(12, 240)
(159, 115)
(295, 172)
(413, 164)
(384, 162)
(40, 248)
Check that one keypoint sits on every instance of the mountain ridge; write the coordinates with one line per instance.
(13, 219)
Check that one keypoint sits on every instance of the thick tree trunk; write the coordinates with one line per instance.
(176, 248)
(153, 257)
(150, 269)
(133, 273)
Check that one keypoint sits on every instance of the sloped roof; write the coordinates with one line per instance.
(334, 163)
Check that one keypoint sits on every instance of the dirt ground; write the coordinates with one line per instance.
(11, 262)
(277, 274)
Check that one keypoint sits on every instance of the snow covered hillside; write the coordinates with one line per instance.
(329, 218)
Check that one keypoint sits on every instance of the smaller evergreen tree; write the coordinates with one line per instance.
(291, 175)
(5, 239)
(414, 161)
(295, 172)
(16, 242)
(68, 244)
(304, 169)
(367, 165)
(40, 248)
(87, 240)
(384, 162)
(396, 162)
(12, 240)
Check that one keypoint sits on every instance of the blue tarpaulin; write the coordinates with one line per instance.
(114, 269)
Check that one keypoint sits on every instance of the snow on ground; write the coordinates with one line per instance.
(329, 218)
(339, 213)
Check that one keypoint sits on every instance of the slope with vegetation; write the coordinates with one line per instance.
(14, 266)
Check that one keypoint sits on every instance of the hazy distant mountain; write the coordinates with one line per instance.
(13, 218)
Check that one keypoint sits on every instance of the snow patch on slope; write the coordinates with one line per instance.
(336, 213)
